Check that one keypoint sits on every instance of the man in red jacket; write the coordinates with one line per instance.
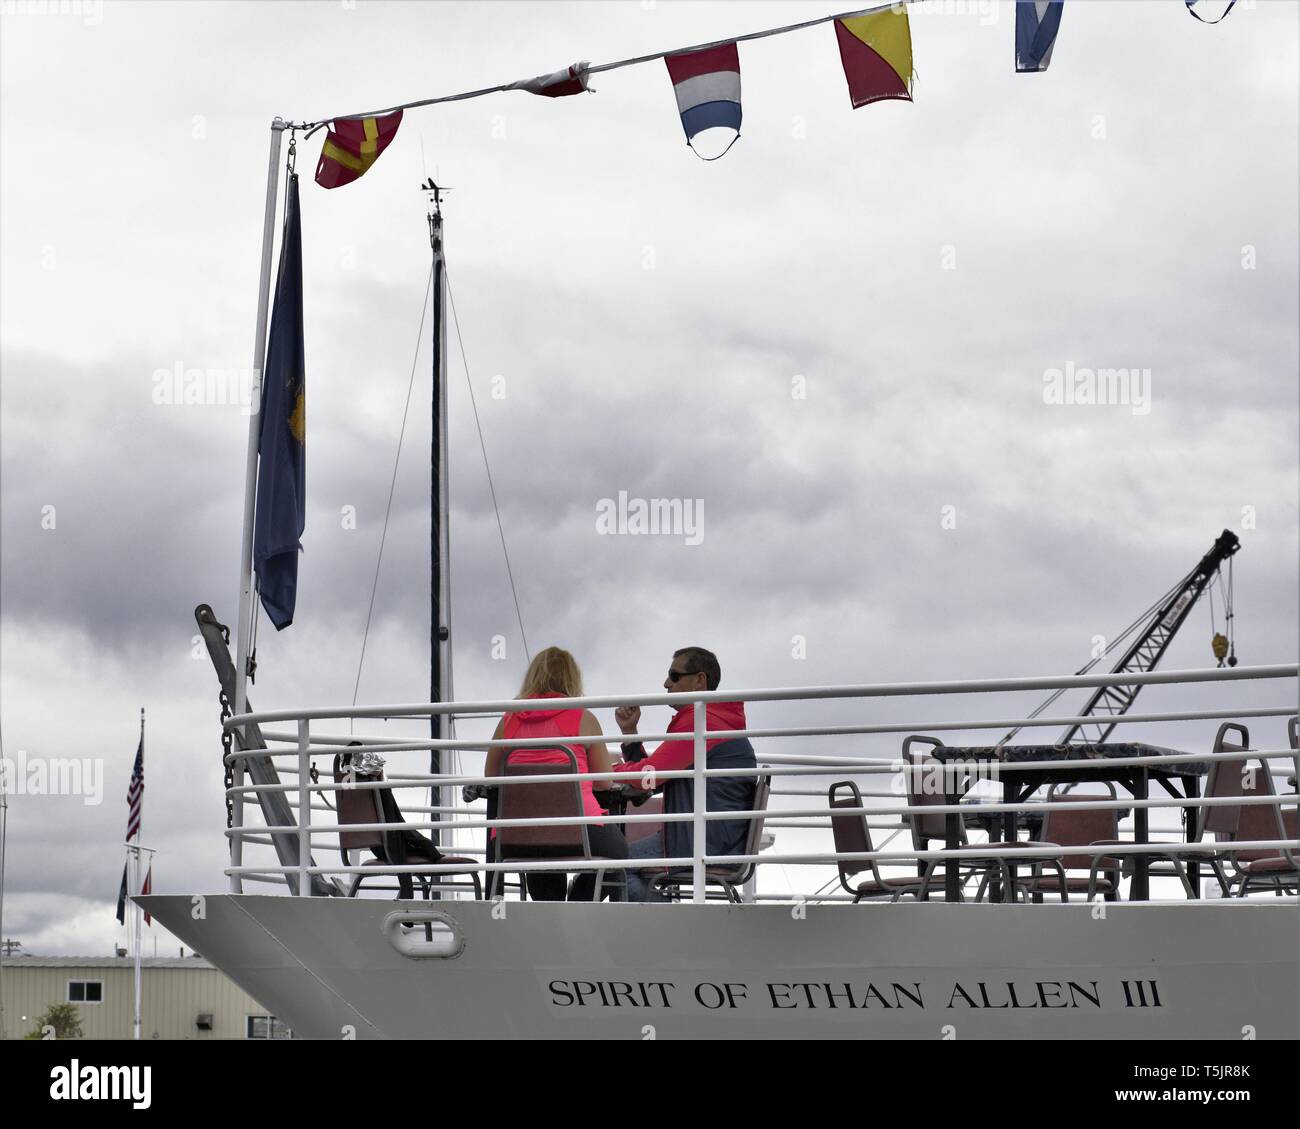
(692, 669)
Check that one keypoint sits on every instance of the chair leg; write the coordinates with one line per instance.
(1221, 876)
(1065, 886)
(1187, 882)
(924, 894)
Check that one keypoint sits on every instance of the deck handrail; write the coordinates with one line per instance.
(303, 744)
(782, 694)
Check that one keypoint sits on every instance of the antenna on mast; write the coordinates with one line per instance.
(435, 192)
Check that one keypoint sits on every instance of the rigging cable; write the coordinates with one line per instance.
(1231, 620)
(1209, 592)
(487, 466)
(392, 486)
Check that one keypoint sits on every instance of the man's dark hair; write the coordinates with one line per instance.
(700, 661)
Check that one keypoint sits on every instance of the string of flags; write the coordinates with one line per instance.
(875, 47)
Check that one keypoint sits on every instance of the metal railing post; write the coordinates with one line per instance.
(304, 807)
(236, 825)
(698, 823)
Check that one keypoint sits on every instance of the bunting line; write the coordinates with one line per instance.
(516, 85)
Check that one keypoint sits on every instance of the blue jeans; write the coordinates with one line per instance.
(638, 882)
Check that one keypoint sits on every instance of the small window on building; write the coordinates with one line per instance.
(85, 991)
(265, 1027)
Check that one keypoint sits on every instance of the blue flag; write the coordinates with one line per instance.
(281, 446)
(1037, 22)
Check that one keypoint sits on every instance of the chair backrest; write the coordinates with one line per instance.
(638, 831)
(742, 871)
(852, 835)
(762, 791)
(1293, 731)
(355, 805)
(1258, 821)
(1225, 781)
(1291, 823)
(925, 777)
(541, 800)
(1079, 828)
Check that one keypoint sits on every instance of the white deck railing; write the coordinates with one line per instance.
(297, 746)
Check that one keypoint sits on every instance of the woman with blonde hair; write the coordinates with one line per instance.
(554, 673)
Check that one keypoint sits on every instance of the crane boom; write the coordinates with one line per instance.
(1109, 702)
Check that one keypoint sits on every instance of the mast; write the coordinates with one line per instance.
(441, 726)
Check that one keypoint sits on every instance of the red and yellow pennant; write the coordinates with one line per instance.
(352, 146)
(876, 51)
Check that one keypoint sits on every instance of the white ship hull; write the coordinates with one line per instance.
(906, 970)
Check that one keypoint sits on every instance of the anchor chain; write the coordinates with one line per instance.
(227, 744)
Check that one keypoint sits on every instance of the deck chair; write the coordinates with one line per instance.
(1224, 782)
(567, 842)
(928, 827)
(393, 847)
(730, 879)
(853, 836)
(1273, 868)
(1093, 829)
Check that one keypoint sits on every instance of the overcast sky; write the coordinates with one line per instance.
(920, 267)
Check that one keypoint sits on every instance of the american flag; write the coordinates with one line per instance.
(135, 794)
(134, 802)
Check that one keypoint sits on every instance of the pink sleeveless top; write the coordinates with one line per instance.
(551, 723)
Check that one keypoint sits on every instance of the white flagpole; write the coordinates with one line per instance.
(135, 862)
(243, 625)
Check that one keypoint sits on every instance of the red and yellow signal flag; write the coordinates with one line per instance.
(876, 52)
(352, 146)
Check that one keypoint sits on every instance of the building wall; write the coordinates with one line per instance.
(171, 1000)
